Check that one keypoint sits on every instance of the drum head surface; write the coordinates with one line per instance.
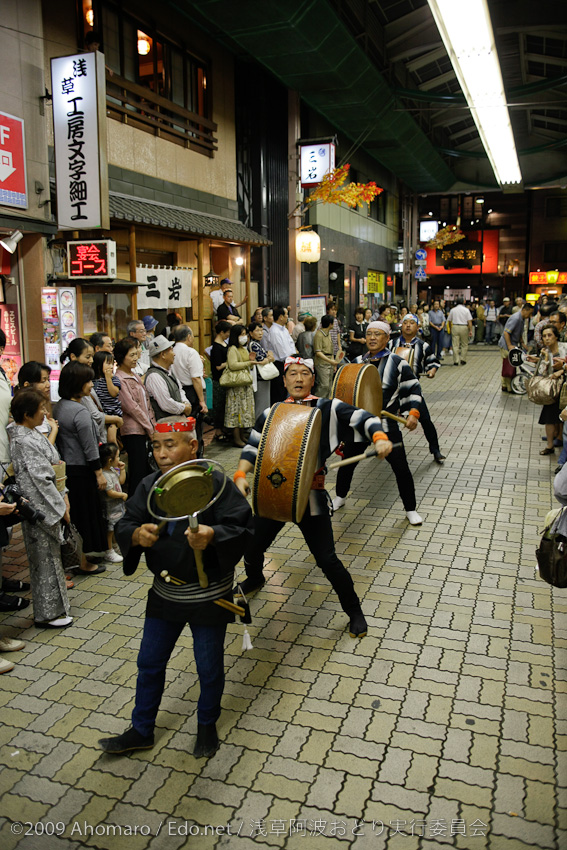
(359, 384)
(287, 459)
(185, 491)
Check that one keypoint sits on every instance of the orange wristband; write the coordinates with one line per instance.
(379, 435)
(238, 474)
(414, 412)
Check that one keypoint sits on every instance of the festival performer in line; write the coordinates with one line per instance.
(401, 395)
(339, 422)
(425, 362)
(222, 534)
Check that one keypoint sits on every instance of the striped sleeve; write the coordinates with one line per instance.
(343, 415)
(431, 361)
(409, 389)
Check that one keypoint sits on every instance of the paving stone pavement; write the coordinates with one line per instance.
(447, 725)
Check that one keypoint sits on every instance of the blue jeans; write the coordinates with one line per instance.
(436, 340)
(158, 642)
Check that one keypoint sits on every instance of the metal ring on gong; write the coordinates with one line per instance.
(185, 490)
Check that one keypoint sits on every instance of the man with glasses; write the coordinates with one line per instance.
(137, 330)
(401, 395)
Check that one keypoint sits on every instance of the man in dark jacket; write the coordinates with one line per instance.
(176, 596)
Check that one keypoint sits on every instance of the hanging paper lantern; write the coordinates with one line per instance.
(552, 276)
(308, 246)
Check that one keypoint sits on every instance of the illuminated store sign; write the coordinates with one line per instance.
(316, 161)
(91, 259)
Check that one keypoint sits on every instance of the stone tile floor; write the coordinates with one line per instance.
(445, 726)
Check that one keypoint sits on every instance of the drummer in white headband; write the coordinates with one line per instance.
(401, 395)
(423, 361)
(340, 422)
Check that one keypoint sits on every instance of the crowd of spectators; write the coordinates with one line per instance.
(79, 459)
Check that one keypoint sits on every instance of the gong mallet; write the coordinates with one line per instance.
(393, 416)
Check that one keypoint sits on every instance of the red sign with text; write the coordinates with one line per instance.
(13, 191)
(490, 251)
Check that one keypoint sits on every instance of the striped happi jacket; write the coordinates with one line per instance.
(424, 358)
(401, 391)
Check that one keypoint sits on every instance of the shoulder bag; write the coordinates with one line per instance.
(235, 377)
(267, 371)
(551, 554)
(544, 389)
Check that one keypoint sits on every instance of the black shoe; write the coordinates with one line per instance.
(13, 585)
(439, 458)
(12, 603)
(358, 626)
(127, 742)
(463, 362)
(455, 364)
(207, 742)
(249, 585)
(558, 469)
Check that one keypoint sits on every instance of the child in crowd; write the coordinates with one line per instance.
(107, 386)
(114, 471)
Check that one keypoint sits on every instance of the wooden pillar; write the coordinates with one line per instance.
(132, 261)
(200, 300)
(248, 305)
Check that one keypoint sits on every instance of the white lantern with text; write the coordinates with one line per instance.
(308, 246)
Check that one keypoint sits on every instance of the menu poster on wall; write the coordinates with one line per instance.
(67, 304)
(11, 360)
(314, 304)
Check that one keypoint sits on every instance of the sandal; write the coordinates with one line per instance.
(547, 451)
(12, 585)
(70, 584)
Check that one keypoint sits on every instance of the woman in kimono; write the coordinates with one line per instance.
(33, 457)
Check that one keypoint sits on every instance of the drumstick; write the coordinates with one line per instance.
(230, 606)
(193, 524)
(399, 419)
(348, 460)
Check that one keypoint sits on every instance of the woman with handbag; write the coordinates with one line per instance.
(237, 378)
(551, 365)
(33, 458)
(266, 371)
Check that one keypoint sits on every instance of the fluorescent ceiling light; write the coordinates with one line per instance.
(467, 34)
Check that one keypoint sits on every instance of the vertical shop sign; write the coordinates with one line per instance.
(316, 161)
(11, 359)
(79, 122)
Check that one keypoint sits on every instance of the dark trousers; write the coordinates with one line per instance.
(429, 429)
(397, 460)
(436, 341)
(197, 414)
(158, 642)
(318, 534)
(136, 446)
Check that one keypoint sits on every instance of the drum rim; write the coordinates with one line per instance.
(260, 455)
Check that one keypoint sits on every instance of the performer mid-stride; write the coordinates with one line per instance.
(221, 536)
(401, 394)
(338, 421)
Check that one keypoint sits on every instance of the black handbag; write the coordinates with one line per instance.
(72, 548)
(551, 554)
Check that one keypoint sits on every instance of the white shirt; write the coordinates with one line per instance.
(143, 363)
(217, 298)
(266, 339)
(459, 315)
(187, 365)
(281, 342)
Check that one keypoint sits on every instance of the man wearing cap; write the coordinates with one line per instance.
(401, 394)
(227, 310)
(166, 393)
(217, 295)
(422, 360)
(176, 596)
(340, 422)
(505, 311)
(150, 323)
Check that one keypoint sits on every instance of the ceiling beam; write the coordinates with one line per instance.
(437, 81)
(426, 59)
(545, 59)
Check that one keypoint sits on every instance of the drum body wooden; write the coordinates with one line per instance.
(406, 352)
(359, 384)
(286, 462)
